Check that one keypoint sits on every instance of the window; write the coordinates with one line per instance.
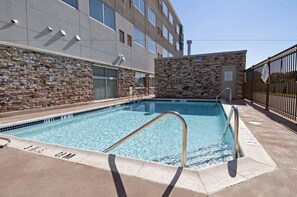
(139, 37)
(165, 53)
(151, 17)
(129, 40)
(140, 79)
(96, 10)
(109, 16)
(140, 5)
(104, 83)
(165, 32)
(170, 55)
(73, 3)
(122, 37)
(170, 38)
(102, 12)
(152, 45)
(177, 29)
(170, 18)
(177, 46)
(151, 81)
(159, 31)
(165, 9)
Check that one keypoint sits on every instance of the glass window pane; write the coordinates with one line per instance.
(73, 3)
(96, 10)
(165, 32)
(177, 46)
(151, 17)
(139, 36)
(140, 5)
(165, 53)
(109, 17)
(165, 9)
(129, 38)
(99, 89)
(152, 45)
(177, 29)
(170, 38)
(99, 72)
(170, 18)
(111, 88)
(151, 81)
(140, 79)
(111, 73)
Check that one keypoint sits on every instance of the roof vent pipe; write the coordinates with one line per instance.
(189, 42)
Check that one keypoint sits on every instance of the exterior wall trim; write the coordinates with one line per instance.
(204, 54)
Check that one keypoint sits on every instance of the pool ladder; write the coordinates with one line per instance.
(234, 112)
(230, 94)
(6, 139)
(133, 93)
(170, 113)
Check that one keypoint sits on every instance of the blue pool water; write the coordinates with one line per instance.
(161, 142)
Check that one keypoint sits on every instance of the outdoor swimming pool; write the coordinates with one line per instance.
(161, 142)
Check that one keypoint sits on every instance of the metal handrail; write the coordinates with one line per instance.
(170, 113)
(6, 139)
(234, 111)
(137, 94)
(132, 96)
(230, 94)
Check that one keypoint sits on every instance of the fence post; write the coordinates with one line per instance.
(267, 86)
(252, 86)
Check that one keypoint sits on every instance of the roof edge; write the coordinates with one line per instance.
(205, 54)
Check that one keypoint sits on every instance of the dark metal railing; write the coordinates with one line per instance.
(280, 93)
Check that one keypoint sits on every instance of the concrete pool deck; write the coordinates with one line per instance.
(23, 173)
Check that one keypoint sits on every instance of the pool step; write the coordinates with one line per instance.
(201, 157)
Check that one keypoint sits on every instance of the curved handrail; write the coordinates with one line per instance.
(6, 139)
(137, 94)
(131, 96)
(170, 113)
(230, 94)
(234, 111)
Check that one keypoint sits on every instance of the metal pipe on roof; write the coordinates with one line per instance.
(189, 42)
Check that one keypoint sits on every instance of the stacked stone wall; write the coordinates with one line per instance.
(192, 77)
(126, 78)
(30, 79)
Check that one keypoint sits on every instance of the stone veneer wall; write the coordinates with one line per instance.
(126, 78)
(184, 78)
(30, 79)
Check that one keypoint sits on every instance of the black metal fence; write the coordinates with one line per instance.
(280, 92)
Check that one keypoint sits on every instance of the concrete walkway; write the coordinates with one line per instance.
(27, 174)
(279, 138)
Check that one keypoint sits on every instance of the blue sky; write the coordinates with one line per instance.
(262, 27)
